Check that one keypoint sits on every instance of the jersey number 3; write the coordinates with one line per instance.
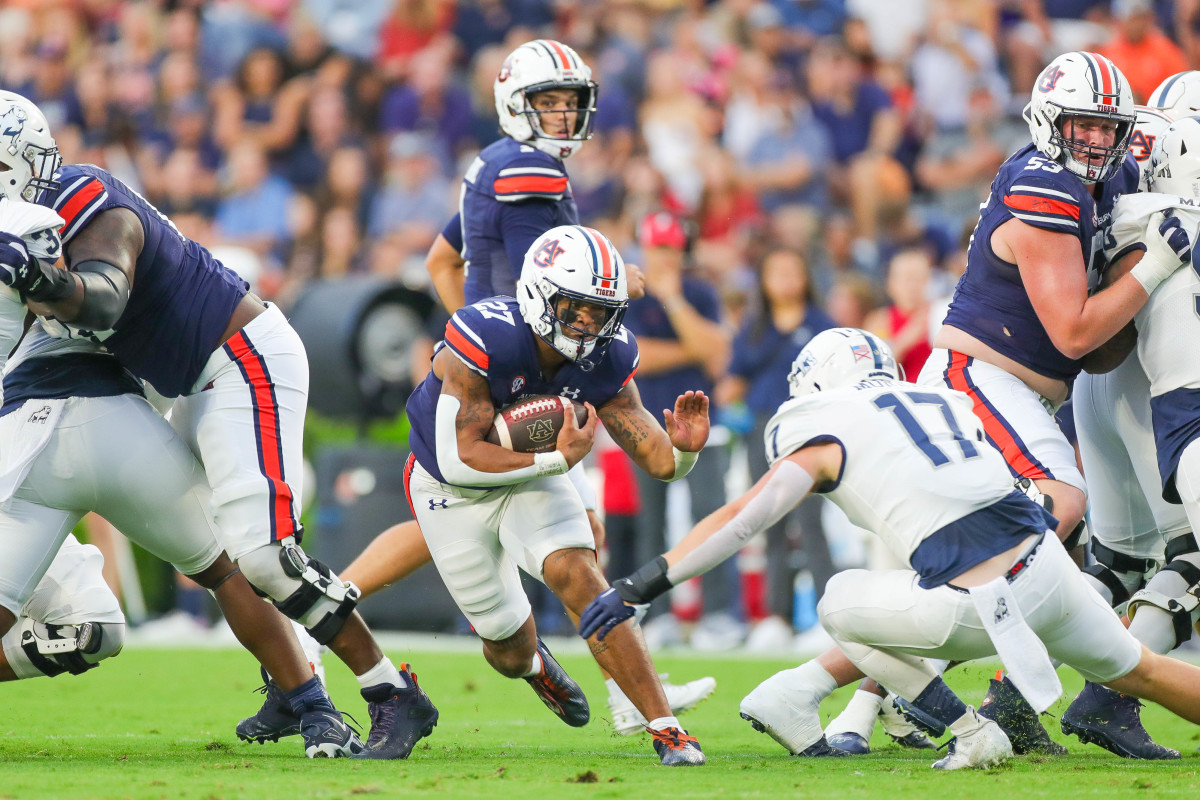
(920, 437)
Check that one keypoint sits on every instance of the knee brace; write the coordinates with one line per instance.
(1118, 573)
(302, 588)
(33, 648)
(1182, 607)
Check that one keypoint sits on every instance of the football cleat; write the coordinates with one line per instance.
(680, 697)
(985, 745)
(901, 731)
(399, 718)
(849, 742)
(787, 712)
(1112, 720)
(1007, 708)
(326, 735)
(274, 720)
(558, 691)
(676, 748)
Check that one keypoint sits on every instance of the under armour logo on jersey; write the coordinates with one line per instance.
(435, 504)
(1049, 78)
(569, 392)
(1001, 612)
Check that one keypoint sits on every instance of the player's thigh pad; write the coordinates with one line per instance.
(1116, 444)
(587, 492)
(1015, 418)
(1074, 622)
(245, 418)
(887, 609)
(543, 516)
(461, 527)
(116, 456)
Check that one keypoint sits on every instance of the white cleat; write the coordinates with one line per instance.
(785, 711)
(985, 745)
(680, 697)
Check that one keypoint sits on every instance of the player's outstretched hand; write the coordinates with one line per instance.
(606, 612)
(16, 267)
(575, 442)
(688, 424)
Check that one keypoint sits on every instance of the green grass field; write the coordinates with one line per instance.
(159, 724)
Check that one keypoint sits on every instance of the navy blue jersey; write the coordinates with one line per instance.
(990, 301)
(492, 339)
(763, 356)
(182, 297)
(512, 194)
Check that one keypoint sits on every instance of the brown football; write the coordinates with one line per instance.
(532, 425)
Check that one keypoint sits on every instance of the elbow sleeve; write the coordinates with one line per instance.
(105, 293)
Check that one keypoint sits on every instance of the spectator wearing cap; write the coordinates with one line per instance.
(773, 334)
(1144, 54)
(683, 348)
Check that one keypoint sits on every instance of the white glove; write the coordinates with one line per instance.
(1168, 248)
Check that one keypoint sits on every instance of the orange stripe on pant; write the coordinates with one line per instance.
(266, 431)
(995, 429)
(408, 468)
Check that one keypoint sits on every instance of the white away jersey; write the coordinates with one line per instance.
(1169, 320)
(915, 458)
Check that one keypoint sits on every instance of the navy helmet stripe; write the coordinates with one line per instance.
(1160, 97)
(595, 255)
(1095, 78)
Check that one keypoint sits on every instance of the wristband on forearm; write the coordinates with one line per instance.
(684, 461)
(646, 583)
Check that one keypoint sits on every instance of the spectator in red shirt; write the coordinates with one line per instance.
(1142, 52)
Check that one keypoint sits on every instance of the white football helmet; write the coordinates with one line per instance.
(579, 265)
(1175, 161)
(842, 357)
(1081, 85)
(1179, 94)
(538, 66)
(26, 148)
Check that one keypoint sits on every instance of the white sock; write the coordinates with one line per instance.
(662, 723)
(859, 716)
(614, 691)
(535, 668)
(812, 677)
(965, 724)
(383, 672)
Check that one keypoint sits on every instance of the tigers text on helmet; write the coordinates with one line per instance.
(539, 66)
(571, 273)
(1178, 95)
(1076, 86)
(26, 148)
(842, 357)
(1175, 160)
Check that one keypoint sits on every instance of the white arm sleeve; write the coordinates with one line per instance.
(455, 471)
(790, 484)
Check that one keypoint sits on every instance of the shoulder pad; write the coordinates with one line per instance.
(521, 175)
(80, 196)
(1043, 194)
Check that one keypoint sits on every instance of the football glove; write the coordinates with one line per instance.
(606, 612)
(1168, 247)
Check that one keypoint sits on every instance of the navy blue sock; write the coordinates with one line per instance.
(308, 696)
(939, 702)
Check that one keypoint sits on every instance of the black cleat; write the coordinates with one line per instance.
(849, 743)
(1112, 720)
(326, 735)
(1005, 706)
(676, 748)
(917, 740)
(921, 720)
(399, 718)
(558, 691)
(274, 720)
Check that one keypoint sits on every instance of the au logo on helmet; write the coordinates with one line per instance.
(547, 253)
(1049, 78)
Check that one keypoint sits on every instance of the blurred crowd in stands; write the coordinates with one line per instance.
(823, 161)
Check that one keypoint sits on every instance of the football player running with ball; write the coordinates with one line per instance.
(485, 510)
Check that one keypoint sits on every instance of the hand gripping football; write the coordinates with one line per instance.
(532, 425)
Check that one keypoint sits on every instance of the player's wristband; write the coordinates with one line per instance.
(646, 583)
(552, 463)
(684, 461)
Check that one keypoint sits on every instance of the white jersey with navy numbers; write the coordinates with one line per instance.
(915, 458)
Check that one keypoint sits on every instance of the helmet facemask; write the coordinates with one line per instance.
(589, 348)
(1078, 157)
(584, 110)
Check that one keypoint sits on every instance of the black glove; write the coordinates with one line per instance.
(28, 275)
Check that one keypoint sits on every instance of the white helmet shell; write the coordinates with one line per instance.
(539, 66)
(1175, 162)
(1081, 84)
(842, 357)
(26, 148)
(1178, 95)
(1150, 125)
(580, 265)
